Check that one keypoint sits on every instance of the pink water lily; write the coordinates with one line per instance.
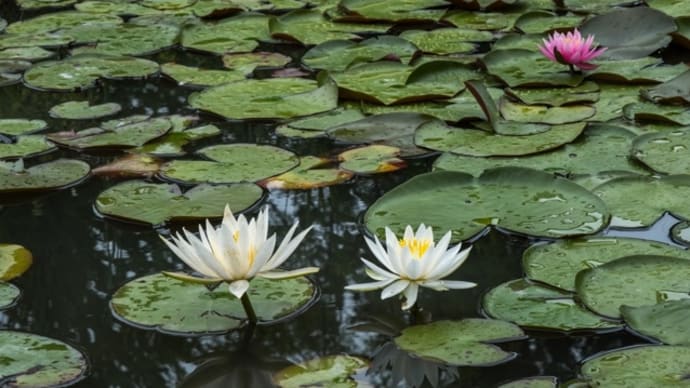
(571, 49)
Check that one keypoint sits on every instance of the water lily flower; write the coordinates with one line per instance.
(413, 261)
(571, 49)
(236, 252)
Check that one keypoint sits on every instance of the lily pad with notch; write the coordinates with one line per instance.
(53, 175)
(159, 302)
(331, 371)
(25, 147)
(173, 143)
(240, 33)
(371, 159)
(648, 111)
(468, 342)
(338, 55)
(82, 110)
(674, 91)
(158, 203)
(16, 127)
(664, 321)
(126, 136)
(664, 152)
(643, 70)
(520, 200)
(316, 125)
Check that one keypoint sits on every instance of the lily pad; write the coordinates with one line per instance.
(627, 198)
(26, 147)
(532, 382)
(436, 135)
(586, 92)
(139, 201)
(159, 302)
(518, 67)
(312, 27)
(131, 165)
(14, 261)
(16, 127)
(632, 281)
(541, 114)
(331, 371)
(647, 111)
(246, 63)
(65, 20)
(537, 22)
(664, 321)
(126, 136)
(630, 32)
(491, 21)
(468, 342)
(31, 54)
(601, 147)
(82, 71)
(316, 125)
(47, 176)
(612, 99)
(231, 163)
(371, 159)
(269, 98)
(664, 152)
(558, 263)
(235, 34)
(447, 40)
(648, 366)
(45, 40)
(82, 110)
(31, 360)
(643, 70)
(392, 10)
(338, 55)
(521, 200)
(312, 172)
(124, 39)
(9, 294)
(535, 306)
(194, 76)
(172, 143)
(674, 91)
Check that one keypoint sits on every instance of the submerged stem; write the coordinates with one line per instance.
(418, 315)
(572, 68)
(248, 308)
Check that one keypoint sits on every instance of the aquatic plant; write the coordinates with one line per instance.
(571, 49)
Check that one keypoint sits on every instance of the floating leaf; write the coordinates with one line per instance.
(312, 27)
(391, 10)
(664, 321)
(643, 70)
(517, 199)
(497, 21)
(664, 152)
(316, 125)
(541, 21)
(139, 201)
(62, 21)
(172, 143)
(338, 55)
(674, 91)
(643, 111)
(268, 98)
(541, 114)
(124, 39)
(312, 172)
(535, 306)
(194, 76)
(518, 67)
(31, 54)
(126, 136)
(235, 34)
(532, 382)
(463, 343)
(131, 165)
(630, 32)
(82, 110)
(372, 159)
(159, 302)
(246, 63)
(47, 176)
(586, 92)
(612, 99)
(31, 360)
(9, 294)
(14, 261)
(558, 263)
(16, 127)
(26, 147)
(446, 40)
(331, 371)
(631, 281)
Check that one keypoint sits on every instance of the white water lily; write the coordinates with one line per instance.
(236, 251)
(411, 262)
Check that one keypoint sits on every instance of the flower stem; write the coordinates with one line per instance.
(418, 315)
(572, 68)
(247, 304)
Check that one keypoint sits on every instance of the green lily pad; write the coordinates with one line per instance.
(62, 21)
(532, 382)
(116, 8)
(316, 125)
(14, 261)
(457, 108)
(139, 201)
(82, 110)
(680, 233)
(601, 147)
(521, 200)
(231, 163)
(631, 281)
(643, 70)
(509, 41)
(269, 98)
(612, 99)
(194, 76)
(437, 135)
(338, 55)
(32, 5)
(558, 263)
(312, 27)
(677, 8)
(124, 39)
(484, 5)
(542, 114)
(518, 67)
(82, 71)
(16, 127)
(627, 198)
(491, 21)
(392, 10)
(591, 181)
(246, 63)
(536, 306)
(331, 371)
(45, 40)
(664, 321)
(312, 172)
(31, 54)
(235, 34)
(9, 295)
(664, 152)
(392, 129)
(126, 136)
(468, 342)
(159, 302)
(674, 91)
(586, 92)
(682, 34)
(537, 22)
(371, 159)
(447, 40)
(26, 147)
(389, 82)
(11, 71)
(31, 360)
(630, 32)
(173, 143)
(130, 165)
(648, 111)
(47, 176)
(648, 366)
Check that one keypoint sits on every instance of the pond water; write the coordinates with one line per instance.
(82, 258)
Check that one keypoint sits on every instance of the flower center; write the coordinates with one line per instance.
(417, 247)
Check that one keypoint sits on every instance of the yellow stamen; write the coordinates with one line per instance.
(417, 247)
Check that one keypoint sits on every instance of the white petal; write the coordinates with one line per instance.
(395, 288)
(380, 253)
(392, 243)
(457, 261)
(378, 270)
(238, 288)
(285, 250)
(190, 259)
(459, 284)
(262, 256)
(288, 274)
(410, 295)
(368, 286)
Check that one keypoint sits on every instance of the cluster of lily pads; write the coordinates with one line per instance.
(526, 146)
